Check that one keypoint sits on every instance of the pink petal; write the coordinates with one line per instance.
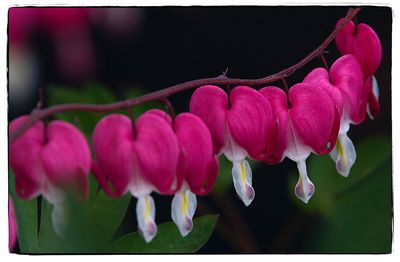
(320, 77)
(163, 114)
(343, 41)
(25, 159)
(346, 75)
(12, 226)
(66, 156)
(282, 138)
(363, 43)
(250, 120)
(197, 163)
(313, 117)
(113, 147)
(157, 151)
(210, 103)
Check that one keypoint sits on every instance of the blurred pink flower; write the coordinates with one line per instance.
(139, 161)
(50, 161)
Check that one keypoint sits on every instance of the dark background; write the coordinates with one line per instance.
(177, 44)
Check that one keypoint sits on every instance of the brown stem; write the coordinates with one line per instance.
(322, 57)
(38, 114)
(169, 107)
(285, 85)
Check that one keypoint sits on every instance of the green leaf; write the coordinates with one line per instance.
(26, 216)
(168, 239)
(106, 214)
(356, 211)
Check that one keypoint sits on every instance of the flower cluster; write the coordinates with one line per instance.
(179, 156)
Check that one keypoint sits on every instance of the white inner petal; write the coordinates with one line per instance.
(145, 214)
(375, 88)
(233, 151)
(139, 187)
(296, 151)
(52, 193)
(242, 180)
(59, 218)
(304, 188)
(183, 207)
(344, 155)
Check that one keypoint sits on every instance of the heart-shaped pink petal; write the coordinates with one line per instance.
(250, 120)
(313, 117)
(363, 43)
(113, 145)
(197, 163)
(25, 159)
(157, 151)
(320, 76)
(282, 139)
(66, 157)
(346, 75)
(210, 103)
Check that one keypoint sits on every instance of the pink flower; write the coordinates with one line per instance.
(197, 167)
(12, 226)
(139, 161)
(240, 126)
(362, 42)
(346, 78)
(309, 124)
(50, 161)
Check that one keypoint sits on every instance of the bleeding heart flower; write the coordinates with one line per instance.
(12, 226)
(362, 42)
(308, 124)
(50, 161)
(240, 126)
(197, 166)
(139, 161)
(346, 76)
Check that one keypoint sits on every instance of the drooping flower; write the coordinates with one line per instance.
(139, 159)
(50, 161)
(345, 77)
(308, 124)
(363, 42)
(12, 226)
(240, 126)
(197, 166)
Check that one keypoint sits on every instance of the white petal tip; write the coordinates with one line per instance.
(304, 189)
(248, 196)
(343, 174)
(186, 227)
(242, 181)
(149, 232)
(183, 208)
(304, 193)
